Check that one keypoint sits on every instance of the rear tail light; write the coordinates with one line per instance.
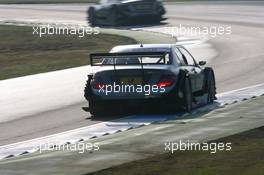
(166, 81)
(97, 84)
(164, 84)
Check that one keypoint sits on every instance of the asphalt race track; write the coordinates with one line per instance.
(239, 62)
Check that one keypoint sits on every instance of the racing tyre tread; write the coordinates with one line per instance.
(188, 96)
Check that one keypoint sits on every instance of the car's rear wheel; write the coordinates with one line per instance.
(95, 109)
(187, 96)
(91, 16)
(211, 89)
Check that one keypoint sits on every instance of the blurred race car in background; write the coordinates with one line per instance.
(154, 74)
(126, 12)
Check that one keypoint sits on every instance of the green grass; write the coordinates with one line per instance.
(22, 53)
(245, 158)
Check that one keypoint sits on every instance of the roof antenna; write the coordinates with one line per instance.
(141, 45)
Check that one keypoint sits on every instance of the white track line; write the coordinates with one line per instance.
(122, 124)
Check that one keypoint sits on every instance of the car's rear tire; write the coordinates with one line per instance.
(187, 96)
(95, 109)
(211, 90)
(91, 16)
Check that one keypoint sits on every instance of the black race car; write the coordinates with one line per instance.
(125, 12)
(157, 74)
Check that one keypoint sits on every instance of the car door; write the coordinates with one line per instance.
(185, 66)
(195, 70)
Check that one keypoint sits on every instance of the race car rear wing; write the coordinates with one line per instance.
(129, 59)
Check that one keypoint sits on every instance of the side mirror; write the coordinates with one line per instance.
(202, 63)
